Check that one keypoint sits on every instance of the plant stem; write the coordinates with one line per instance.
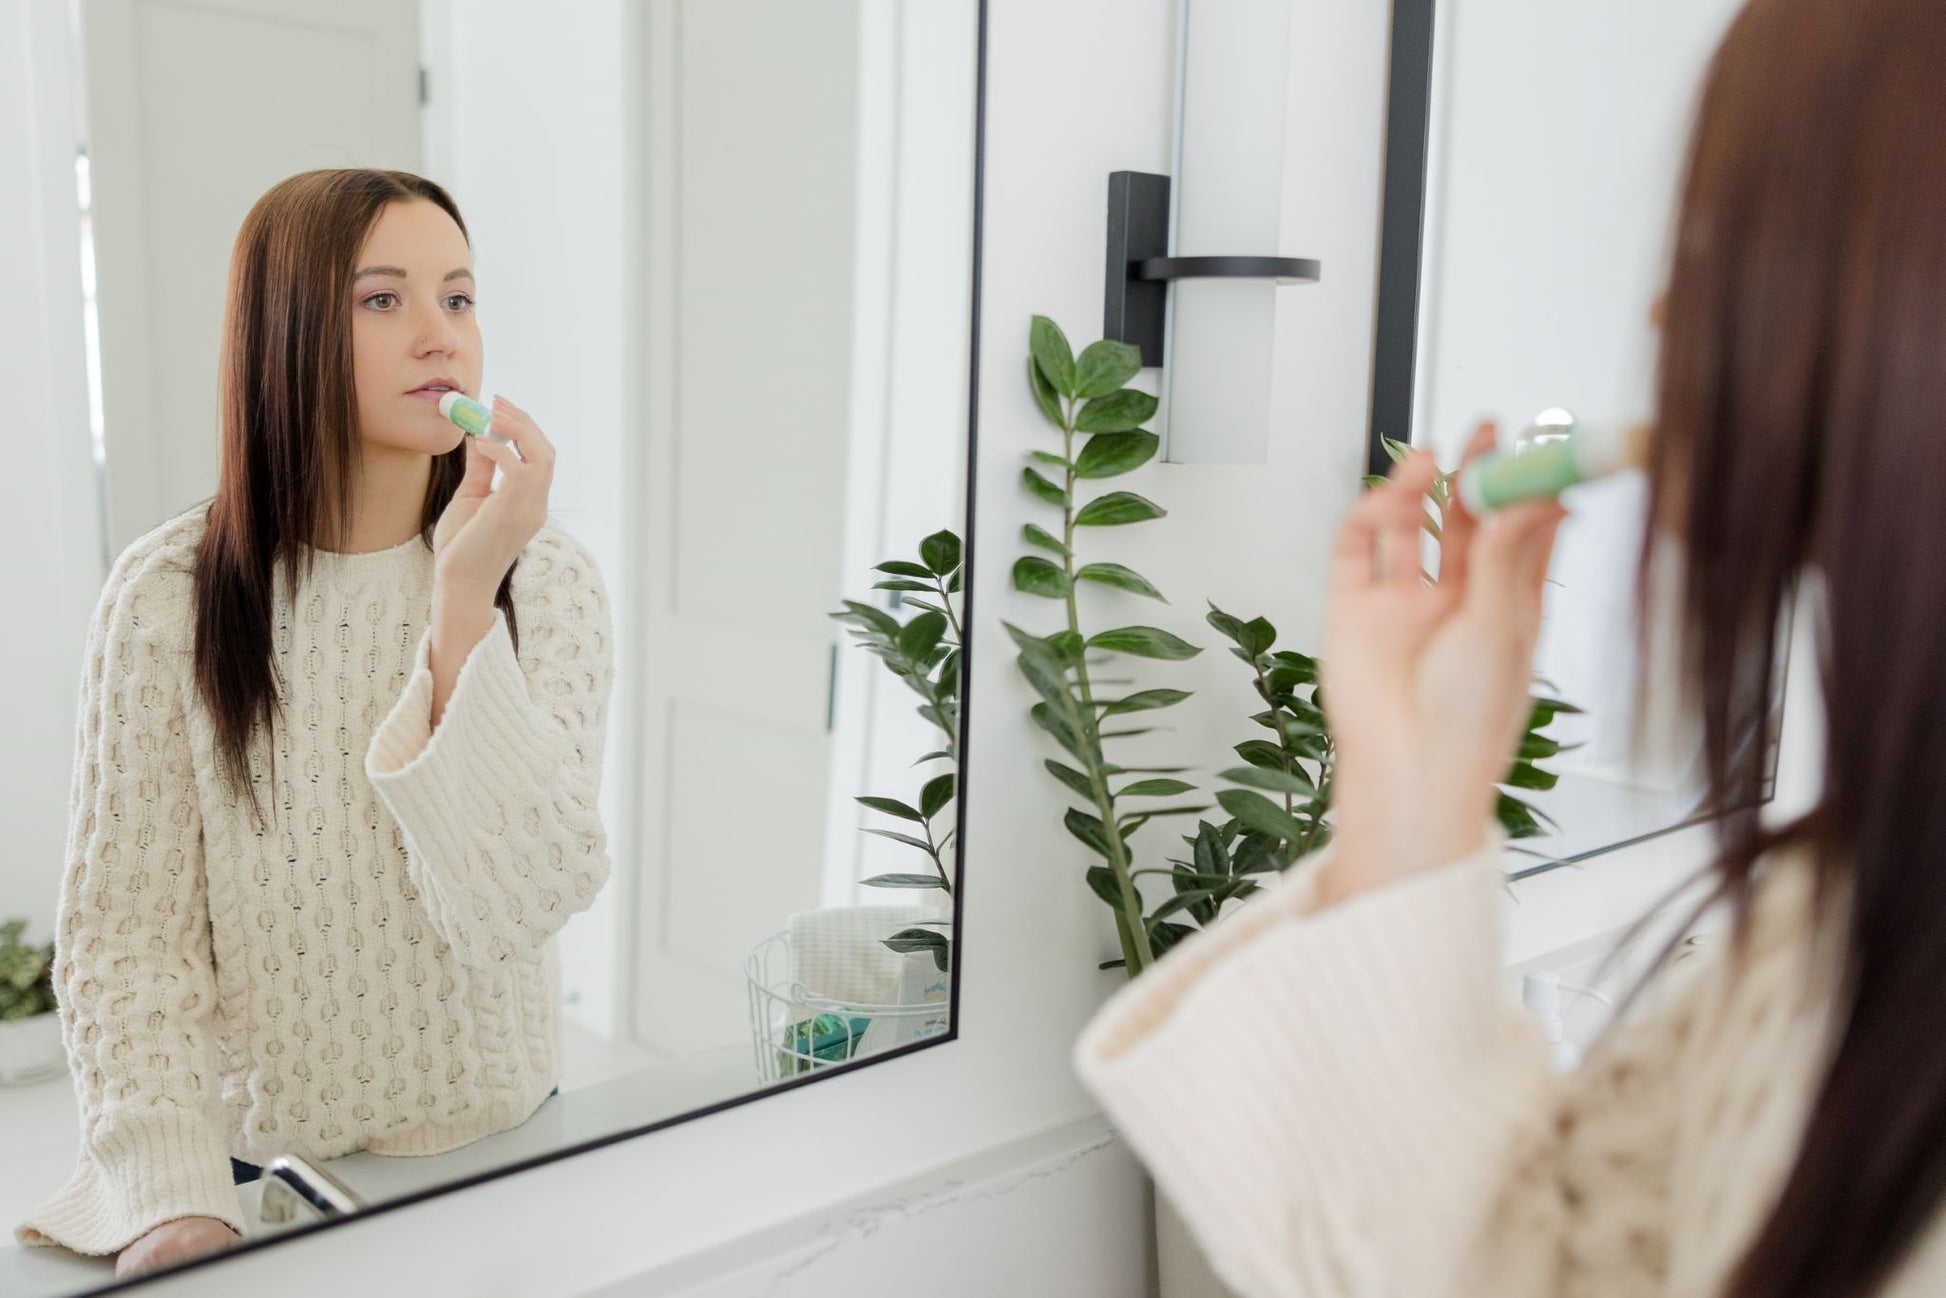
(932, 850)
(1283, 740)
(1133, 930)
(946, 603)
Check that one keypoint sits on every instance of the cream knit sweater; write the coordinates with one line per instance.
(374, 972)
(1344, 1103)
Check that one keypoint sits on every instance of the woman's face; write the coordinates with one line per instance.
(413, 328)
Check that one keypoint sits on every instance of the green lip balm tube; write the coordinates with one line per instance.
(1557, 454)
(473, 419)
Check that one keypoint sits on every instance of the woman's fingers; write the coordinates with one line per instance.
(1456, 531)
(518, 427)
(1379, 539)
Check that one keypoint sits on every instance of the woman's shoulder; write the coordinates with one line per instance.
(151, 585)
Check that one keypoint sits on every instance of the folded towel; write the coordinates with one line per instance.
(840, 953)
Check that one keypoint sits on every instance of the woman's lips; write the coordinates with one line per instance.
(429, 394)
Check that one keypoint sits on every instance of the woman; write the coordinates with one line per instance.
(1327, 1083)
(338, 756)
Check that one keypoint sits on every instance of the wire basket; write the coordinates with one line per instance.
(795, 1030)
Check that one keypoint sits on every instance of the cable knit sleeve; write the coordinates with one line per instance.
(1345, 1104)
(133, 969)
(499, 807)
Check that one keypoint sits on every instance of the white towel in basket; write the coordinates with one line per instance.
(840, 953)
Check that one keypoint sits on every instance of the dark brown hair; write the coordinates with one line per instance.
(1801, 420)
(290, 435)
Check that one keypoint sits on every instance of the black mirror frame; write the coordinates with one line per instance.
(1402, 220)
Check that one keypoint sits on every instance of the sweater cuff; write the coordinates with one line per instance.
(1283, 1054)
(165, 1168)
(439, 783)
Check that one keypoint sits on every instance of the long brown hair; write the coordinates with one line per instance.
(290, 435)
(1802, 421)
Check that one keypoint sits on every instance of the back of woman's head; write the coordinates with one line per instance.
(290, 437)
(1801, 420)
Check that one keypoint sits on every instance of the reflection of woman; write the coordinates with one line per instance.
(1328, 1084)
(338, 754)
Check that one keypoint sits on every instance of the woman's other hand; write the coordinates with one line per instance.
(172, 1242)
(1426, 685)
(483, 529)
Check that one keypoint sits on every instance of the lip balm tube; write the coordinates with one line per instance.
(473, 419)
(1562, 456)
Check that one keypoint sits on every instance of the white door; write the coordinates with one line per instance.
(751, 203)
(193, 112)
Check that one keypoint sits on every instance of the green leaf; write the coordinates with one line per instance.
(893, 807)
(1518, 818)
(1041, 487)
(932, 757)
(900, 568)
(1534, 748)
(1102, 880)
(921, 635)
(903, 583)
(1105, 366)
(1044, 395)
(1230, 627)
(1114, 574)
(907, 839)
(1072, 778)
(1034, 575)
(876, 618)
(909, 940)
(1052, 354)
(1088, 829)
(1526, 775)
(1258, 636)
(1141, 701)
(1294, 781)
(1260, 813)
(1050, 459)
(904, 881)
(1164, 936)
(1067, 647)
(1144, 642)
(1154, 789)
(1116, 508)
(1118, 412)
(1049, 720)
(937, 793)
(1395, 448)
(1261, 752)
(1037, 535)
(1109, 455)
(941, 551)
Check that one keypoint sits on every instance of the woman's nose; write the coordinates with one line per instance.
(435, 331)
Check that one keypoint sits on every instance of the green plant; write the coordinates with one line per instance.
(1100, 421)
(925, 653)
(26, 974)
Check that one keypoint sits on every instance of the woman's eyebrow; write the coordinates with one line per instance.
(397, 273)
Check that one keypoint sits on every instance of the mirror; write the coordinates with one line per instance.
(693, 837)
(1532, 166)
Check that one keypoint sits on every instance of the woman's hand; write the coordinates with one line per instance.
(483, 530)
(1427, 686)
(172, 1242)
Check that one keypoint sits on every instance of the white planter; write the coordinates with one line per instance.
(1182, 1270)
(30, 1049)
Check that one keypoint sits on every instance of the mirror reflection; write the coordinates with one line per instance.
(1555, 145)
(514, 697)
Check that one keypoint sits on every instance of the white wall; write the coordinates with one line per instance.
(49, 521)
(1077, 89)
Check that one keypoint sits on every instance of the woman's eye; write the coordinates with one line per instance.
(373, 300)
(465, 302)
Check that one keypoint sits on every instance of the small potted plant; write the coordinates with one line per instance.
(30, 1031)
